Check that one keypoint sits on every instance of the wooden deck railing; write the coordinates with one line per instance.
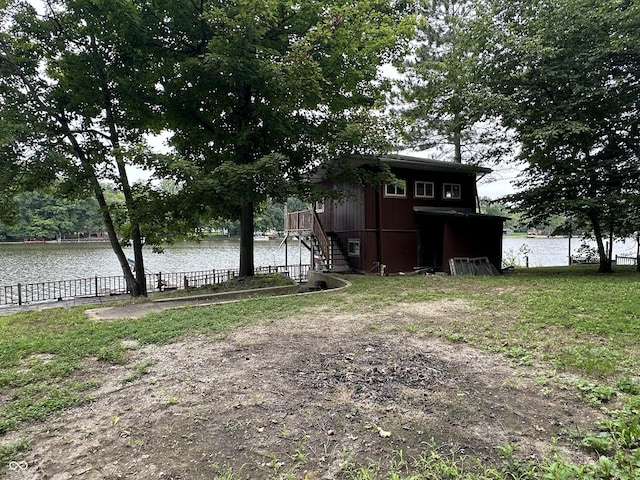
(299, 221)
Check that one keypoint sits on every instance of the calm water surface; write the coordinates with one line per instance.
(30, 263)
(546, 252)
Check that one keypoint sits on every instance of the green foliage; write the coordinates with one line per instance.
(491, 207)
(36, 403)
(441, 96)
(617, 442)
(568, 72)
(115, 353)
(139, 370)
(269, 93)
(628, 386)
(270, 218)
(595, 394)
(44, 216)
(512, 258)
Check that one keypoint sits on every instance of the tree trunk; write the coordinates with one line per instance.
(132, 284)
(246, 240)
(140, 287)
(638, 251)
(138, 243)
(610, 252)
(137, 284)
(605, 261)
(457, 139)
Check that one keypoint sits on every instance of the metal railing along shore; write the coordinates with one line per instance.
(30, 293)
(626, 260)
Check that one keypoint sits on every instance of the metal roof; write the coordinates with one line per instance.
(418, 163)
(410, 162)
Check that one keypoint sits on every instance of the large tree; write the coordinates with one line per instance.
(74, 79)
(447, 109)
(570, 72)
(261, 93)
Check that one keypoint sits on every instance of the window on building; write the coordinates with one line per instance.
(396, 189)
(423, 190)
(451, 191)
(354, 247)
(319, 206)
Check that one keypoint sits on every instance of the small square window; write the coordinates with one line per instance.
(319, 206)
(423, 190)
(451, 191)
(396, 189)
(354, 247)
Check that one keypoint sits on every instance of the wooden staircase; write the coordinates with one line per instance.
(330, 258)
(326, 252)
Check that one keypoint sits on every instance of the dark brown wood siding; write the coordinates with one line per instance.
(344, 214)
(399, 251)
(344, 219)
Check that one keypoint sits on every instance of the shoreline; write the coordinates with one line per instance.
(69, 241)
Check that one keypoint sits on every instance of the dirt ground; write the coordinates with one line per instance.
(306, 396)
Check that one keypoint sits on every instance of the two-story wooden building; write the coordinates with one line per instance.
(425, 218)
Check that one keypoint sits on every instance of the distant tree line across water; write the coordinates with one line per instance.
(42, 216)
(517, 222)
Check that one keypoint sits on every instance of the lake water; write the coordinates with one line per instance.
(545, 252)
(31, 263)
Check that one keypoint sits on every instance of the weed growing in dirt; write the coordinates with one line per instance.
(618, 433)
(595, 394)
(114, 354)
(452, 336)
(138, 371)
(617, 445)
(451, 465)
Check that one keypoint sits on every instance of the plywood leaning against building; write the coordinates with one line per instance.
(421, 220)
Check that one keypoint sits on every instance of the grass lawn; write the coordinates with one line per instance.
(559, 319)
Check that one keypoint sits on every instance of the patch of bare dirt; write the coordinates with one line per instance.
(305, 395)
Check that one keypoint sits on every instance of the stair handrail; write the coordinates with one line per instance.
(321, 235)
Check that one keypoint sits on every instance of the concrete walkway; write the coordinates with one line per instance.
(74, 302)
(132, 310)
(112, 312)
